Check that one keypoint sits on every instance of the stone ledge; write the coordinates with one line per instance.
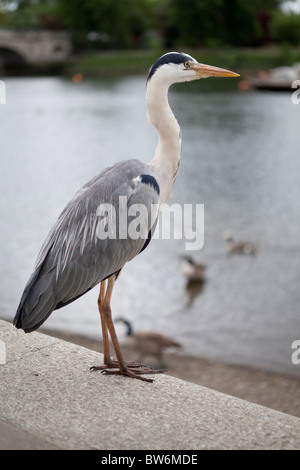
(50, 399)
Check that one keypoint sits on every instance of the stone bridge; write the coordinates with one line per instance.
(33, 47)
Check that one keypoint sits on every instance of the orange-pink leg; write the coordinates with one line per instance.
(131, 369)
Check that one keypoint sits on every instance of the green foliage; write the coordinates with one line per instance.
(121, 24)
(29, 14)
(118, 23)
(285, 28)
(213, 22)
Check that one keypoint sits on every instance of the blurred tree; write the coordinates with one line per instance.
(114, 23)
(285, 28)
(193, 22)
(241, 23)
(27, 14)
(213, 22)
(124, 23)
(118, 23)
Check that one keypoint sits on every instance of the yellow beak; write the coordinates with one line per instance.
(204, 70)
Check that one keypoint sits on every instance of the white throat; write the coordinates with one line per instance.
(167, 155)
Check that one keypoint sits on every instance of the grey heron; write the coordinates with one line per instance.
(73, 258)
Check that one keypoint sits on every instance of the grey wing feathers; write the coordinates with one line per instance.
(73, 259)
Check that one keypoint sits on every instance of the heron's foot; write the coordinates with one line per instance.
(114, 364)
(132, 369)
(134, 373)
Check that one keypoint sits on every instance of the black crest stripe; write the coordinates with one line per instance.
(170, 57)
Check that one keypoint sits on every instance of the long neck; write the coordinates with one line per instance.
(167, 155)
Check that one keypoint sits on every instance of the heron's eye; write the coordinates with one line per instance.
(186, 64)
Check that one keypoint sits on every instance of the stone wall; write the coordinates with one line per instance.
(36, 46)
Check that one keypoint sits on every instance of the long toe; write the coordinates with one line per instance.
(137, 365)
(134, 373)
(128, 372)
(114, 364)
(146, 370)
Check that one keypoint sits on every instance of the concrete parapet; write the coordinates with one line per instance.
(51, 400)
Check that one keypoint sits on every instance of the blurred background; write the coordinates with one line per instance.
(75, 85)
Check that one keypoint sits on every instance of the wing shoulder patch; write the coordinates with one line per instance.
(151, 181)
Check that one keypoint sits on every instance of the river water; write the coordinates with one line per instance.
(240, 158)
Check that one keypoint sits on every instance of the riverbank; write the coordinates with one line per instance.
(246, 60)
(115, 63)
(251, 58)
(273, 390)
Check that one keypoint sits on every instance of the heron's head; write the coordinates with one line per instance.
(176, 67)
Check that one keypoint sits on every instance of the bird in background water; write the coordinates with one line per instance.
(239, 247)
(148, 343)
(73, 258)
(192, 270)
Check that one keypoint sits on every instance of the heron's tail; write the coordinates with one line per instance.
(37, 301)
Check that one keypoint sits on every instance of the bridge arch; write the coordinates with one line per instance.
(11, 58)
(34, 46)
